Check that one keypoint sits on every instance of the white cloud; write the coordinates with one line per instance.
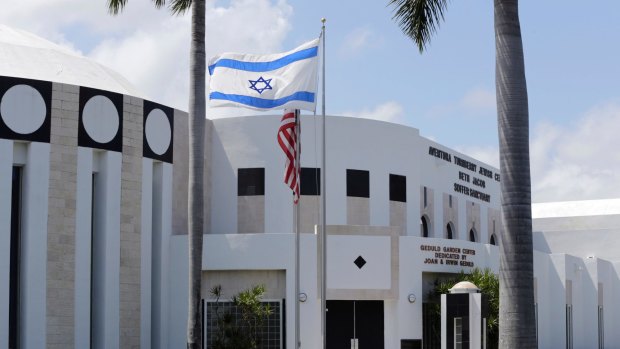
(479, 99)
(390, 111)
(150, 47)
(158, 60)
(357, 40)
(50, 18)
(580, 161)
(476, 102)
(576, 162)
(489, 155)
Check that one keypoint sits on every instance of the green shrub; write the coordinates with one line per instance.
(240, 332)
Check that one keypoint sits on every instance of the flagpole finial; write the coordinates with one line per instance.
(323, 20)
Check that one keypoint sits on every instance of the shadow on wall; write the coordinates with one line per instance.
(540, 242)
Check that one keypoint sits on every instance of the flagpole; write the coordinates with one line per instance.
(297, 230)
(324, 223)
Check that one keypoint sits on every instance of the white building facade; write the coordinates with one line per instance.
(93, 222)
(384, 180)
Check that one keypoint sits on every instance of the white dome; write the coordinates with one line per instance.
(464, 287)
(26, 55)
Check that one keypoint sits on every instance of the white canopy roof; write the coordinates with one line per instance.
(25, 55)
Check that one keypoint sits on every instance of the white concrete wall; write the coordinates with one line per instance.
(156, 231)
(352, 143)
(34, 246)
(34, 157)
(6, 175)
(146, 254)
(552, 272)
(107, 266)
(441, 175)
(231, 252)
(344, 274)
(582, 240)
(403, 320)
(83, 241)
(612, 335)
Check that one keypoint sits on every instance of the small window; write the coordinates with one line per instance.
(310, 181)
(450, 201)
(398, 188)
(425, 196)
(493, 240)
(358, 183)
(251, 181)
(472, 235)
(449, 233)
(424, 227)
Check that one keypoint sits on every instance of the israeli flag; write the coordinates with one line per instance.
(262, 82)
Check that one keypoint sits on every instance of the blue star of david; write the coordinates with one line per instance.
(260, 85)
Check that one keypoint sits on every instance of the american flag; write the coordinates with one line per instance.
(287, 138)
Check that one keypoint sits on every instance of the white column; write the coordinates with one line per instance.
(106, 245)
(444, 325)
(83, 227)
(6, 175)
(156, 232)
(438, 226)
(145, 251)
(111, 189)
(484, 231)
(461, 224)
(35, 187)
(475, 320)
(166, 234)
(379, 201)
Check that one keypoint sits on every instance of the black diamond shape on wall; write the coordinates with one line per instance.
(360, 262)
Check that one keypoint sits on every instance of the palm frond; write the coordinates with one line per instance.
(419, 19)
(159, 3)
(179, 7)
(116, 6)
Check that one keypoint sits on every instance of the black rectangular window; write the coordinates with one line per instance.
(310, 181)
(94, 255)
(15, 258)
(251, 181)
(410, 344)
(601, 328)
(398, 188)
(425, 197)
(358, 183)
(569, 326)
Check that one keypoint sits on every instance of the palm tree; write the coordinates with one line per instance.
(419, 20)
(197, 91)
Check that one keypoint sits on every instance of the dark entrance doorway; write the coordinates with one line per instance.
(360, 320)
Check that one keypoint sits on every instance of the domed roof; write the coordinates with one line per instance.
(26, 55)
(464, 287)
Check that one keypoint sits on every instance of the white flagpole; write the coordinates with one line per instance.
(324, 223)
(297, 230)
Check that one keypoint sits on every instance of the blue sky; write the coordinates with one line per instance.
(374, 71)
